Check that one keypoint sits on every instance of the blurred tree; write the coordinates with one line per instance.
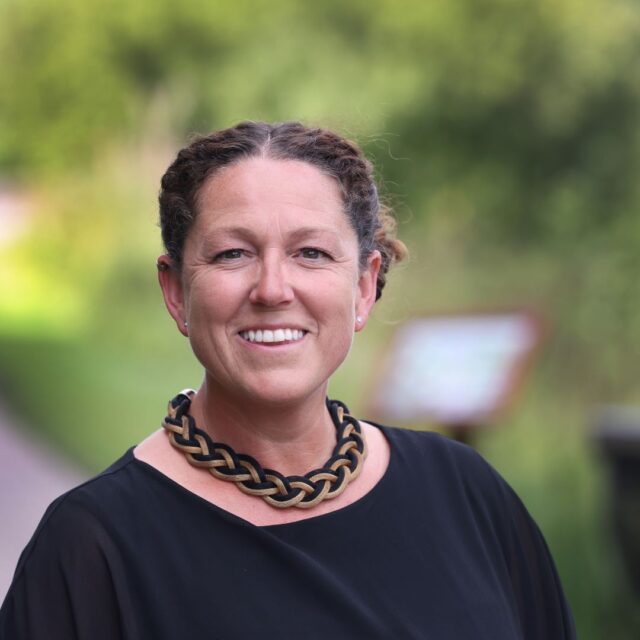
(524, 110)
(527, 112)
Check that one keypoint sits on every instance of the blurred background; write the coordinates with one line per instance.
(506, 134)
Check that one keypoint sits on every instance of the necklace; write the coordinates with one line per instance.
(344, 465)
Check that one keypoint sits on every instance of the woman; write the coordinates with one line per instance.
(276, 250)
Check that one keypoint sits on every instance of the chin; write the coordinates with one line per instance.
(282, 390)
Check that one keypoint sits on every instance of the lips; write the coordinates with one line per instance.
(262, 336)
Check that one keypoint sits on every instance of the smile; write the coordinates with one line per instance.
(275, 335)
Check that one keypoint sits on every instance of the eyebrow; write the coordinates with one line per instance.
(250, 235)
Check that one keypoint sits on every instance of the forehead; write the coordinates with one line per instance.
(286, 192)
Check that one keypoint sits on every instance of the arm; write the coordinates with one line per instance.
(518, 550)
(64, 585)
(542, 607)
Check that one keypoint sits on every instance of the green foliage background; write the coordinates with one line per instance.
(506, 133)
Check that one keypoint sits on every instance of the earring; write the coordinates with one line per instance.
(359, 319)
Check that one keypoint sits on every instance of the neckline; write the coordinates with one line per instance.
(228, 515)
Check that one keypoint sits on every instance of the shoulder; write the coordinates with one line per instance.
(470, 500)
(436, 470)
(113, 485)
(79, 520)
(65, 584)
(439, 456)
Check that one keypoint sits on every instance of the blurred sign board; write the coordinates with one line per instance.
(458, 370)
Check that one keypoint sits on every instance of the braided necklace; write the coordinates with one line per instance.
(276, 489)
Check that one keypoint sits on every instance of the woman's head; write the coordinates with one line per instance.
(335, 156)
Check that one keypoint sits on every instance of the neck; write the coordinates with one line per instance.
(292, 438)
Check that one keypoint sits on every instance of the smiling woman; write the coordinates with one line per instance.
(270, 250)
(261, 508)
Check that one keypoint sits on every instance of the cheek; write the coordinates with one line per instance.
(214, 298)
(339, 309)
(210, 307)
(341, 341)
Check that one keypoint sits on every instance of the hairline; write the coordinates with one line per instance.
(262, 150)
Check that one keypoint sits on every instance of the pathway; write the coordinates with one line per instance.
(31, 476)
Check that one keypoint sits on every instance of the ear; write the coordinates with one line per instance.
(367, 289)
(173, 292)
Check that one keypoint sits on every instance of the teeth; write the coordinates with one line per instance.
(277, 335)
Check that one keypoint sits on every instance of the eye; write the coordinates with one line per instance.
(229, 255)
(313, 254)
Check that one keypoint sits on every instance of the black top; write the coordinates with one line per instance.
(440, 548)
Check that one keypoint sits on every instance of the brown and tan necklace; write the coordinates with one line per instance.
(278, 490)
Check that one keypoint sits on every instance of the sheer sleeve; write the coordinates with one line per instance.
(542, 607)
(64, 587)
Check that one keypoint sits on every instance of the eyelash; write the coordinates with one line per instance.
(224, 255)
(320, 252)
(235, 254)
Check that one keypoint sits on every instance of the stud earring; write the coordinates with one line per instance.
(359, 319)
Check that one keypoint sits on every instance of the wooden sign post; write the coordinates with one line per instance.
(458, 371)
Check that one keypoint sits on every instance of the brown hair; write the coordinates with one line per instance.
(337, 157)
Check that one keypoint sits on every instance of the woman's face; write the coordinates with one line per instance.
(270, 286)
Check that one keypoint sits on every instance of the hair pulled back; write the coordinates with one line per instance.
(335, 156)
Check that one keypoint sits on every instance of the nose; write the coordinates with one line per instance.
(272, 286)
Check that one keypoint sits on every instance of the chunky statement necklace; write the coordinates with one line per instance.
(344, 465)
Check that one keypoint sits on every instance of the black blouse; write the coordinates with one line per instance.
(440, 548)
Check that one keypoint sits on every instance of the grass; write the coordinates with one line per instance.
(91, 399)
